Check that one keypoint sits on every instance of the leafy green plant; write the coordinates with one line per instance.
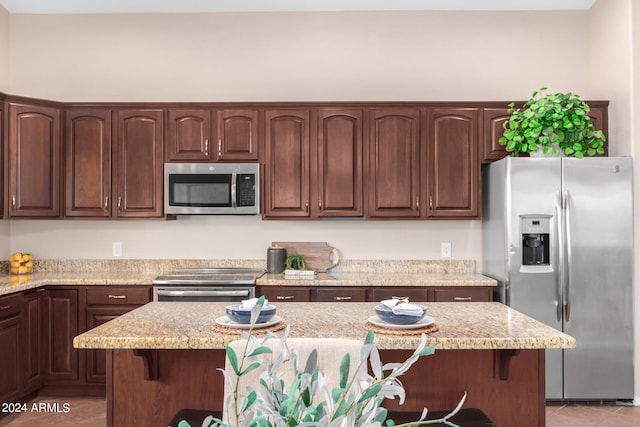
(308, 401)
(558, 121)
(295, 262)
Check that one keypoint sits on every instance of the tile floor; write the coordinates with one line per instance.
(89, 412)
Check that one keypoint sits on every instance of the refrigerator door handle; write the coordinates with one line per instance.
(567, 289)
(559, 256)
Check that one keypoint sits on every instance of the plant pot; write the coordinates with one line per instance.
(540, 153)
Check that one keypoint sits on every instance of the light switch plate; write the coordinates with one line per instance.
(445, 249)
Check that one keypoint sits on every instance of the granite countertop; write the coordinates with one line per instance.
(381, 279)
(183, 325)
(10, 284)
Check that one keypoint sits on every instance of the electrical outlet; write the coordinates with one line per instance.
(445, 249)
(117, 248)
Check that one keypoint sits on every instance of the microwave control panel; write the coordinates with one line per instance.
(246, 189)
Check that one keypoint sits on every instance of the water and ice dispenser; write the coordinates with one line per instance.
(534, 230)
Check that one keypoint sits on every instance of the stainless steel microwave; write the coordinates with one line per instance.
(212, 188)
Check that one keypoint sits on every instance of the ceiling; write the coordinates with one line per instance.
(204, 6)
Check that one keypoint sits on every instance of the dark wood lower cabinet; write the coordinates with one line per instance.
(277, 294)
(10, 333)
(62, 327)
(71, 311)
(33, 341)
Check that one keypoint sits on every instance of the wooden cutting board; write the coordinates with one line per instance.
(317, 255)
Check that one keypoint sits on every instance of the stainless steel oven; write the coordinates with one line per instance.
(207, 284)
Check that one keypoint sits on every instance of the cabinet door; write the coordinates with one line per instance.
(10, 355)
(285, 293)
(33, 339)
(96, 360)
(62, 327)
(138, 171)
(88, 163)
(286, 186)
(341, 294)
(394, 163)
(237, 134)
(34, 161)
(493, 120)
(599, 114)
(337, 161)
(461, 294)
(453, 172)
(189, 136)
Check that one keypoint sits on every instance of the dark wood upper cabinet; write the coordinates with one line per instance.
(189, 136)
(453, 171)
(237, 135)
(337, 164)
(493, 120)
(138, 169)
(394, 163)
(286, 183)
(34, 161)
(600, 119)
(88, 163)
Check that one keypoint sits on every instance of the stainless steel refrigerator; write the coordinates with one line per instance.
(558, 237)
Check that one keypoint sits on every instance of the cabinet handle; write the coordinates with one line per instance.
(219, 147)
(106, 202)
(13, 201)
(462, 298)
(347, 298)
(306, 206)
(430, 202)
(417, 203)
(120, 203)
(320, 204)
(117, 296)
(206, 147)
(5, 307)
(285, 297)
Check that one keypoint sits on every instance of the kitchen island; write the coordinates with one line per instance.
(163, 357)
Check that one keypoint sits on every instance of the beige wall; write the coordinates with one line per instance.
(4, 49)
(298, 56)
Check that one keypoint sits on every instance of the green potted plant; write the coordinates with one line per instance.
(308, 401)
(556, 124)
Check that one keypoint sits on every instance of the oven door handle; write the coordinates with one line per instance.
(211, 293)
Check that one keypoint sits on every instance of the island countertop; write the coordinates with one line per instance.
(188, 325)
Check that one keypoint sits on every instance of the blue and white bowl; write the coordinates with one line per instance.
(240, 314)
(386, 314)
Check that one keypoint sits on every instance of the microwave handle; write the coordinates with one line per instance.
(233, 190)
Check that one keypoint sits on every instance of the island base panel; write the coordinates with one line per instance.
(189, 379)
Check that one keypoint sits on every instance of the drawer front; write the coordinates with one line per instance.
(118, 295)
(462, 295)
(277, 294)
(415, 294)
(10, 305)
(341, 295)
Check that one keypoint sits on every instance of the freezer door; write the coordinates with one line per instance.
(533, 189)
(599, 218)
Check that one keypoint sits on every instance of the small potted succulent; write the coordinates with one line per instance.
(552, 124)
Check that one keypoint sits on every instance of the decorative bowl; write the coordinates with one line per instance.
(386, 314)
(240, 314)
